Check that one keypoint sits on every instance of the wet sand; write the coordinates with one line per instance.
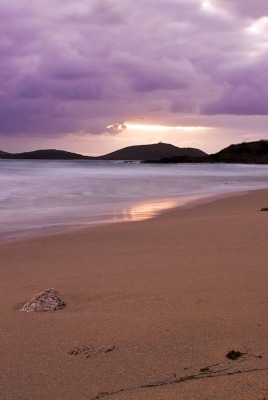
(148, 303)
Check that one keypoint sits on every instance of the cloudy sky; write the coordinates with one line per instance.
(93, 76)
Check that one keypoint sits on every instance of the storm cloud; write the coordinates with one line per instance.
(80, 66)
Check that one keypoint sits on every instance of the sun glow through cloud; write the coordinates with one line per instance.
(209, 7)
(259, 27)
(259, 37)
(206, 5)
(163, 127)
(135, 133)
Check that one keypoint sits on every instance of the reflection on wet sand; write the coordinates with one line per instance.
(148, 209)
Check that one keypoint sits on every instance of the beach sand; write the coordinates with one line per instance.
(146, 302)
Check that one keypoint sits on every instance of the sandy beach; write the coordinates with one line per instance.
(152, 308)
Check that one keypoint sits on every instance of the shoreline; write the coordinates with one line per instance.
(148, 306)
(186, 202)
(54, 200)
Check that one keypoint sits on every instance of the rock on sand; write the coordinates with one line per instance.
(48, 300)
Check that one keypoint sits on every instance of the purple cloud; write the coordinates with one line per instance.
(77, 66)
(252, 9)
(242, 100)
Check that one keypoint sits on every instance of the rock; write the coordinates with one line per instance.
(264, 209)
(48, 300)
(234, 354)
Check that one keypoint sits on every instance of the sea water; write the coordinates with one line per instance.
(41, 196)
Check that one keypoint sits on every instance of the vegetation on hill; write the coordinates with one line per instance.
(247, 152)
(243, 153)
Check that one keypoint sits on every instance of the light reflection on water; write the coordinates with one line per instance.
(150, 209)
(146, 210)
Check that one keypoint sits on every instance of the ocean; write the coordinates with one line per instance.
(48, 196)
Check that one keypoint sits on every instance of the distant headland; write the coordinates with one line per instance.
(163, 153)
(141, 152)
(242, 153)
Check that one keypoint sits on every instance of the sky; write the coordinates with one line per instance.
(93, 76)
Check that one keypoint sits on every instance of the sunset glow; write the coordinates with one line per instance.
(163, 127)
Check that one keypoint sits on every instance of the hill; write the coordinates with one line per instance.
(4, 154)
(49, 154)
(151, 152)
(242, 153)
(247, 152)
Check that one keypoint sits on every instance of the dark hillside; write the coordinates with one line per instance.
(50, 154)
(243, 153)
(151, 152)
(247, 152)
(4, 154)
